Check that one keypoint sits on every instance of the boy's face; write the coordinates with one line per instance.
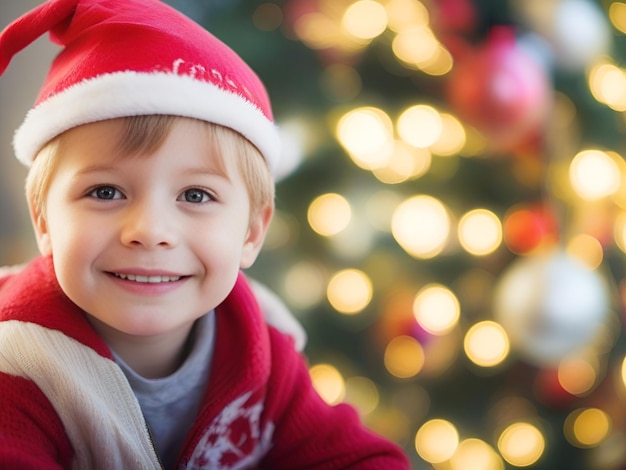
(147, 244)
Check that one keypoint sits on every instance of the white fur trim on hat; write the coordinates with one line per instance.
(132, 93)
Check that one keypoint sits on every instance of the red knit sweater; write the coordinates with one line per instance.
(65, 403)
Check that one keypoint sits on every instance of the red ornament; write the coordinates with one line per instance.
(549, 390)
(454, 16)
(500, 89)
(528, 227)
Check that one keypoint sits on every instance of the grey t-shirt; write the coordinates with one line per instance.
(170, 404)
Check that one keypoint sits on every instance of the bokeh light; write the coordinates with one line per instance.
(363, 394)
(304, 285)
(586, 248)
(486, 344)
(436, 309)
(619, 231)
(594, 174)
(415, 46)
(436, 441)
(617, 15)
(329, 214)
(403, 14)
(367, 135)
(577, 375)
(365, 19)
(317, 30)
(421, 225)
(475, 454)
(587, 427)
(420, 125)
(404, 163)
(452, 139)
(607, 83)
(349, 291)
(480, 232)
(404, 357)
(328, 382)
(521, 444)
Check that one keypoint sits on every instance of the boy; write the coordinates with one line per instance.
(135, 341)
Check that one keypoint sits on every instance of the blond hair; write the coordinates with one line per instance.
(142, 135)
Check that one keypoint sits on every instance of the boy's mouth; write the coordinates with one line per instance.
(147, 279)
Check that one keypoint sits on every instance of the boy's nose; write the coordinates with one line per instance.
(148, 226)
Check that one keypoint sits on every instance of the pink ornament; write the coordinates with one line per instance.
(501, 90)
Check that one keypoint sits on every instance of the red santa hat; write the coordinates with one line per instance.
(135, 57)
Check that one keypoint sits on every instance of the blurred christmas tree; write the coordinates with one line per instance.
(451, 218)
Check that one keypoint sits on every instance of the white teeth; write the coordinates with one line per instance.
(148, 279)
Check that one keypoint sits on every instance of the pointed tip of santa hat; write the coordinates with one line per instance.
(135, 57)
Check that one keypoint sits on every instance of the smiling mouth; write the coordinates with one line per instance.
(147, 279)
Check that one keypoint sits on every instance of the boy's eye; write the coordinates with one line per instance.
(106, 192)
(195, 196)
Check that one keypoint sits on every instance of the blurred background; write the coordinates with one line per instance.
(451, 214)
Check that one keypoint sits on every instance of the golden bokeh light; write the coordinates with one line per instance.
(405, 163)
(619, 231)
(363, 394)
(521, 444)
(594, 174)
(328, 382)
(404, 14)
(436, 441)
(421, 225)
(439, 64)
(486, 344)
(349, 291)
(329, 214)
(577, 375)
(480, 232)
(587, 427)
(404, 357)
(415, 46)
(586, 248)
(453, 137)
(367, 135)
(420, 125)
(607, 83)
(436, 309)
(304, 285)
(617, 15)
(365, 19)
(475, 454)
(318, 31)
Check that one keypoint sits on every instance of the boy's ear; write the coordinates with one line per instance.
(255, 237)
(41, 229)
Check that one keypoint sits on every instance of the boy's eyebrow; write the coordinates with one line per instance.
(192, 171)
(209, 171)
(99, 168)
